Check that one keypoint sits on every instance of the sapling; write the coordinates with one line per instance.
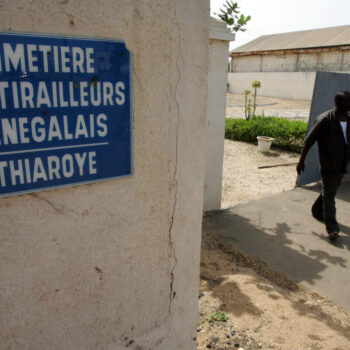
(247, 104)
(256, 84)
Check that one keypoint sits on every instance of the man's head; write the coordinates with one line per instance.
(342, 101)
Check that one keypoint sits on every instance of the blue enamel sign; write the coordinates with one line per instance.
(65, 111)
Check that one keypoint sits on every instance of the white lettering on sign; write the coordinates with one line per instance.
(14, 131)
(25, 94)
(24, 58)
(25, 171)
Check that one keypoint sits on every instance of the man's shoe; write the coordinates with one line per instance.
(333, 235)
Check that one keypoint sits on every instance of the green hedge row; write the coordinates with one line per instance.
(288, 134)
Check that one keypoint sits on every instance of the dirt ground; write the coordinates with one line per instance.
(243, 180)
(263, 309)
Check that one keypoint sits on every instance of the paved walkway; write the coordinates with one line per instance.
(269, 106)
(280, 231)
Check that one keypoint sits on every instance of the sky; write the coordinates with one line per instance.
(281, 16)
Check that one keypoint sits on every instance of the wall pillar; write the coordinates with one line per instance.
(220, 38)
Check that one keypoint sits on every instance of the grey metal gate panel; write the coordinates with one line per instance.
(327, 84)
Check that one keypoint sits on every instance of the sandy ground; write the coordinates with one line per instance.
(243, 180)
(264, 309)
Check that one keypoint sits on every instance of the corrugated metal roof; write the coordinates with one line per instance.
(324, 37)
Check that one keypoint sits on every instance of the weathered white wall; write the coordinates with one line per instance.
(324, 61)
(115, 263)
(246, 64)
(279, 63)
(346, 61)
(215, 132)
(292, 62)
(298, 85)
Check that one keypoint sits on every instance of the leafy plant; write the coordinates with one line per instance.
(247, 104)
(288, 134)
(256, 84)
(231, 15)
(216, 316)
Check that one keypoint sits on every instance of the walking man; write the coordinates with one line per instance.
(332, 133)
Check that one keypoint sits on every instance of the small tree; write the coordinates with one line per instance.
(232, 17)
(247, 104)
(256, 84)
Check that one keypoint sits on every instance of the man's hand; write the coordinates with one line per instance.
(300, 166)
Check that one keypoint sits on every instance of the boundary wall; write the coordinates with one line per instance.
(295, 85)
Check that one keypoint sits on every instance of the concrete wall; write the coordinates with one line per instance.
(312, 61)
(279, 63)
(246, 64)
(346, 61)
(106, 265)
(325, 61)
(298, 85)
(215, 132)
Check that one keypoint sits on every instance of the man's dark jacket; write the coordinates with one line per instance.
(334, 153)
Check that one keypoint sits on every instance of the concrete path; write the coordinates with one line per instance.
(280, 231)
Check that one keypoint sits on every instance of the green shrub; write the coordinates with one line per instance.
(288, 134)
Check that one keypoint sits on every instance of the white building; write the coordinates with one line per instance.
(286, 63)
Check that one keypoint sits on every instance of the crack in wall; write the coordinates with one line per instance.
(49, 203)
(172, 293)
(60, 211)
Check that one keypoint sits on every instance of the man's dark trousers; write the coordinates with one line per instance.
(324, 207)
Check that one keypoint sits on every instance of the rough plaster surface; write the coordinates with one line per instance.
(116, 263)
